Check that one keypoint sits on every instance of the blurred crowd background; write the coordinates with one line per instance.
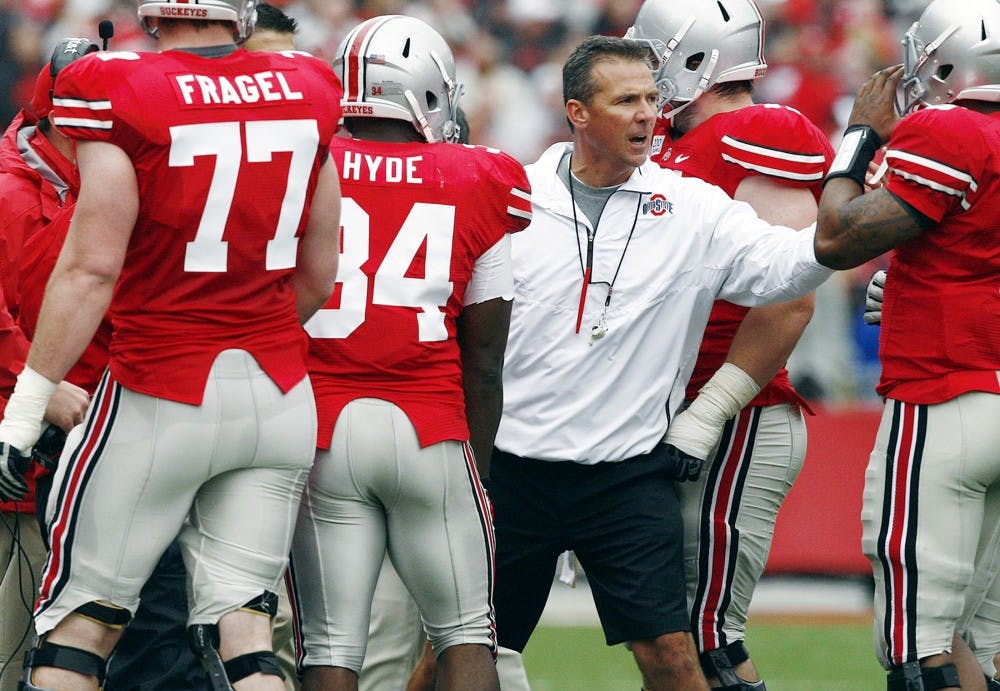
(510, 55)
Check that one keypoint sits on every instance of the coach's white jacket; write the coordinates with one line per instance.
(569, 397)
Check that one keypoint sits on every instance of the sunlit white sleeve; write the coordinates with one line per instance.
(492, 276)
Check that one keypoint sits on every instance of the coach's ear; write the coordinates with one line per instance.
(577, 114)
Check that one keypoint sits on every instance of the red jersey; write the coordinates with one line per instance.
(226, 152)
(37, 261)
(764, 139)
(940, 333)
(415, 218)
(36, 181)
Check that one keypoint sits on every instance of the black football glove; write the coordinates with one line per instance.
(13, 466)
(681, 466)
(48, 447)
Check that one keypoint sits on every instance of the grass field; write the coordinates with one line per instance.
(792, 655)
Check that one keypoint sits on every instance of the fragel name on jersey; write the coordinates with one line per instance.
(216, 90)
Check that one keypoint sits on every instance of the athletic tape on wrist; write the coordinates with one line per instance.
(729, 390)
(857, 149)
(22, 419)
(696, 430)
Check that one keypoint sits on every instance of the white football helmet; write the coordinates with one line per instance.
(399, 67)
(951, 53)
(242, 12)
(698, 43)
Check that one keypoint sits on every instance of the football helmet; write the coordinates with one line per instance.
(399, 67)
(242, 12)
(698, 43)
(951, 53)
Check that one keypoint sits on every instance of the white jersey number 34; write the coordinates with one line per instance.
(434, 223)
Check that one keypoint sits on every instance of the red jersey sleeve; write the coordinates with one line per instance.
(770, 140)
(85, 102)
(509, 193)
(936, 175)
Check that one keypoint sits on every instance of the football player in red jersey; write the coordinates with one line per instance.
(772, 157)
(207, 222)
(406, 361)
(931, 508)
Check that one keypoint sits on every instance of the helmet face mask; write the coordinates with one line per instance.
(699, 43)
(241, 12)
(951, 53)
(400, 68)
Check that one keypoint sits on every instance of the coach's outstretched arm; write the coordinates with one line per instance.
(853, 227)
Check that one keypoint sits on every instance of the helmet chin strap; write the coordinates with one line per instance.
(675, 40)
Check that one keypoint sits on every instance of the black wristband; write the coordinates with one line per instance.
(857, 149)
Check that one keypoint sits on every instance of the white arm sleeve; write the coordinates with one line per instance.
(492, 276)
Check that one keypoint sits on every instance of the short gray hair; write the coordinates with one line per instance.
(577, 84)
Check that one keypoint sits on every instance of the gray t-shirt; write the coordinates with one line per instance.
(591, 200)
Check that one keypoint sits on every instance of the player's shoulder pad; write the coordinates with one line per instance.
(300, 59)
(775, 141)
(498, 164)
(774, 126)
(98, 68)
(507, 177)
(943, 116)
(921, 133)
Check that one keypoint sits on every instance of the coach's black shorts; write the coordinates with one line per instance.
(623, 522)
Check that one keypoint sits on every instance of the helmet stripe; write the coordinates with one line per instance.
(354, 63)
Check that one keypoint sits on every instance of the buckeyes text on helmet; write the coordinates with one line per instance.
(698, 43)
(400, 68)
(242, 12)
(952, 53)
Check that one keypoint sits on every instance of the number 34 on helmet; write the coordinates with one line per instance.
(400, 68)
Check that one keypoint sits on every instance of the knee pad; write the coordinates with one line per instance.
(263, 661)
(204, 641)
(46, 654)
(910, 676)
(721, 664)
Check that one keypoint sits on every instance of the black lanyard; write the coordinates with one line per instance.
(586, 268)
